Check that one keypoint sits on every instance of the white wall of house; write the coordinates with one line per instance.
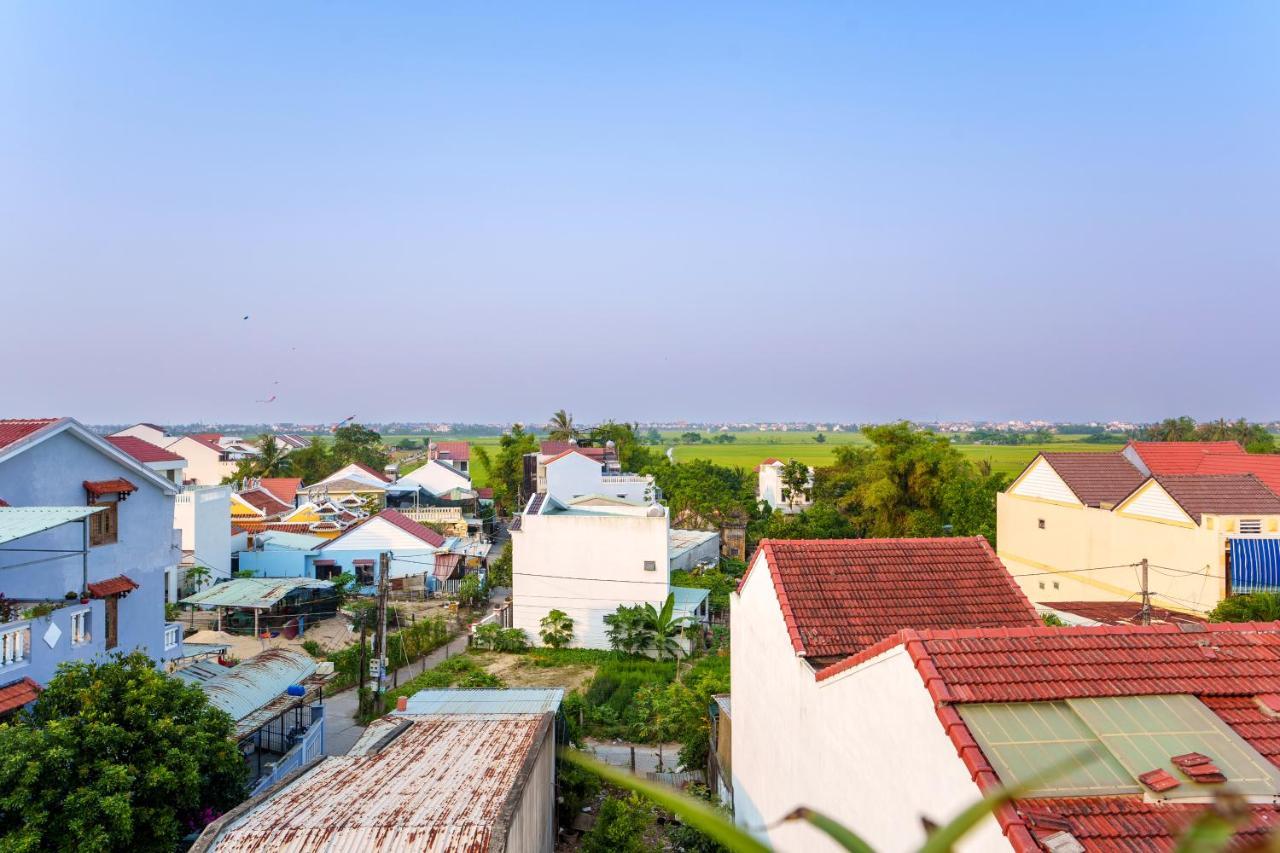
(586, 564)
(409, 554)
(146, 432)
(204, 468)
(437, 478)
(864, 747)
(574, 475)
(203, 515)
(769, 488)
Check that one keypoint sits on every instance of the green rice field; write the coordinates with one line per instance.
(751, 448)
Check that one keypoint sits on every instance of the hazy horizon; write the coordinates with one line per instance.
(924, 211)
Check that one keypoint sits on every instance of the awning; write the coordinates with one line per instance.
(446, 565)
(118, 486)
(19, 521)
(118, 585)
(1255, 565)
(252, 593)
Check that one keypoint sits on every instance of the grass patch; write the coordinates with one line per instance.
(461, 671)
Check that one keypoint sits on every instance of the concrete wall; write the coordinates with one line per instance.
(709, 550)
(1042, 559)
(533, 826)
(586, 565)
(52, 473)
(204, 517)
(865, 747)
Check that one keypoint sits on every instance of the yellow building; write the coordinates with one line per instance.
(1076, 526)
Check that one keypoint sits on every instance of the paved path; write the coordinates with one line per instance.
(340, 728)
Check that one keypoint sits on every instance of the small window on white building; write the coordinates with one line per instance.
(650, 566)
(79, 627)
(1251, 526)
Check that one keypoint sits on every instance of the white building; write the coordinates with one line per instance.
(208, 462)
(772, 490)
(864, 747)
(437, 477)
(594, 541)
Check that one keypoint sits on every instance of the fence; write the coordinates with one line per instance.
(311, 746)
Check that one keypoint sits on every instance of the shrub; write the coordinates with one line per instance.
(557, 629)
(492, 636)
(312, 648)
(577, 786)
(1249, 607)
(473, 592)
(620, 827)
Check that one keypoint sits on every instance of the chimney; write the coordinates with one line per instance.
(402, 703)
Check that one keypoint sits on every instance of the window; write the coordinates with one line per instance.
(1042, 524)
(14, 643)
(1251, 526)
(79, 627)
(104, 525)
(650, 566)
(170, 636)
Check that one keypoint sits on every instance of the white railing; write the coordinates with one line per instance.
(439, 514)
(172, 630)
(311, 746)
(79, 627)
(15, 644)
(626, 478)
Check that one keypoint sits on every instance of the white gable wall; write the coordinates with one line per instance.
(146, 433)
(1041, 481)
(378, 534)
(1152, 501)
(437, 478)
(865, 747)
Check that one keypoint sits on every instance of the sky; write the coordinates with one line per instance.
(782, 211)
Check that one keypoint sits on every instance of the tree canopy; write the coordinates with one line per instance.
(115, 756)
(506, 468)
(1254, 437)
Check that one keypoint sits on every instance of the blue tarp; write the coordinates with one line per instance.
(1255, 565)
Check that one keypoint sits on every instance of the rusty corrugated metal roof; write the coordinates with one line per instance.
(248, 686)
(252, 593)
(439, 786)
(481, 700)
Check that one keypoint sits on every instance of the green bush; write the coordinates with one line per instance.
(312, 648)
(460, 671)
(1249, 607)
(494, 637)
(620, 826)
(577, 787)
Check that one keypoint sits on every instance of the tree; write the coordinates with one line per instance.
(625, 628)
(821, 438)
(406, 444)
(270, 461)
(632, 454)
(505, 471)
(656, 711)
(663, 628)
(499, 573)
(704, 489)
(473, 591)
(691, 437)
(1172, 429)
(115, 755)
(557, 629)
(796, 482)
(652, 436)
(561, 426)
(197, 576)
(725, 438)
(357, 443)
(1249, 607)
(312, 463)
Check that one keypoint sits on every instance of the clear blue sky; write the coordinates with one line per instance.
(787, 210)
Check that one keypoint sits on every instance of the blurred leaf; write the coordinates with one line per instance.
(842, 836)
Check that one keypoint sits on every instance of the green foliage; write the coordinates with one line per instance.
(459, 671)
(243, 573)
(1052, 620)
(557, 629)
(357, 443)
(505, 470)
(473, 591)
(115, 755)
(1255, 437)
(1250, 607)
(500, 569)
(645, 628)
(717, 581)
(494, 637)
(725, 438)
(197, 576)
(403, 647)
(344, 586)
(689, 838)
(704, 490)
(625, 629)
(820, 438)
(312, 648)
(632, 455)
(172, 612)
(577, 787)
(691, 438)
(312, 463)
(820, 521)
(795, 482)
(561, 427)
(620, 826)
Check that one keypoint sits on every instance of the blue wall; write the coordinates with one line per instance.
(52, 474)
(293, 564)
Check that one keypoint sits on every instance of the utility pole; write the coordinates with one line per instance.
(1145, 614)
(364, 664)
(380, 643)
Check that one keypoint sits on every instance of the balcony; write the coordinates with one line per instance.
(42, 634)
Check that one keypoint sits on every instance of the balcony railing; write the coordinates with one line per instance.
(15, 644)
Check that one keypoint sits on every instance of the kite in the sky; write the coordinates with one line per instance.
(270, 399)
(348, 419)
(245, 317)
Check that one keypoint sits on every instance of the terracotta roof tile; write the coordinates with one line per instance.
(261, 499)
(1120, 612)
(408, 525)
(119, 485)
(454, 450)
(143, 451)
(118, 585)
(14, 429)
(1096, 477)
(1220, 494)
(1115, 824)
(285, 489)
(1182, 457)
(1264, 466)
(558, 448)
(839, 596)
(15, 694)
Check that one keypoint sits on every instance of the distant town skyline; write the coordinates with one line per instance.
(948, 211)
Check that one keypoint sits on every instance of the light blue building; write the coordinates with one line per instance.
(86, 537)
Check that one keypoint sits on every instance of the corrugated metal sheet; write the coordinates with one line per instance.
(439, 786)
(248, 686)
(19, 521)
(201, 671)
(515, 700)
(253, 593)
(687, 599)
(682, 541)
(281, 540)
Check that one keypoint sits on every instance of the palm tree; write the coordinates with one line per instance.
(196, 576)
(562, 427)
(557, 629)
(270, 462)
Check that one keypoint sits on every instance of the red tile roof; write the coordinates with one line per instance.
(1096, 478)
(3, 502)
(214, 437)
(15, 694)
(1264, 466)
(118, 585)
(402, 521)
(580, 451)
(119, 485)
(1225, 665)
(204, 441)
(486, 493)
(1220, 494)
(456, 450)
(143, 451)
(1181, 457)
(558, 448)
(285, 489)
(1121, 612)
(839, 596)
(13, 429)
(263, 500)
